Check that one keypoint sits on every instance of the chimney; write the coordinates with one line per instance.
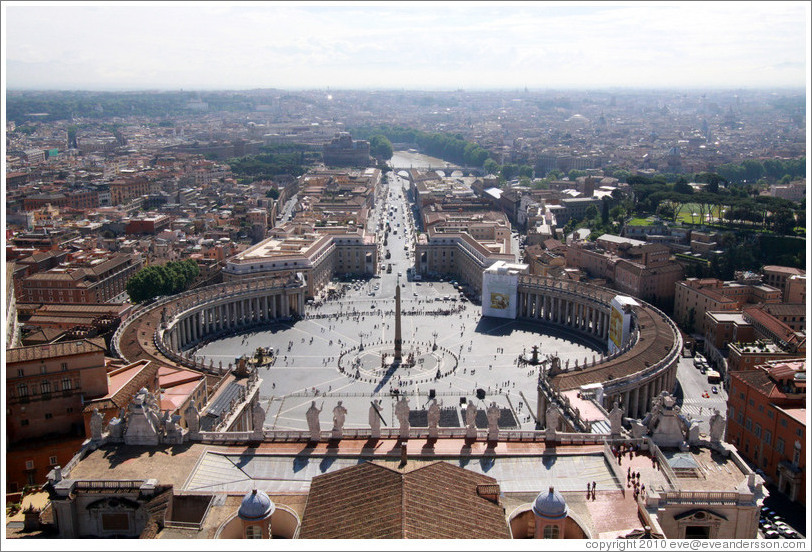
(488, 492)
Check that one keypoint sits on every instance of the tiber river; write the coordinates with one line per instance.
(412, 160)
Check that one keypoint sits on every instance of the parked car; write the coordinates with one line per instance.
(782, 527)
(714, 390)
(771, 534)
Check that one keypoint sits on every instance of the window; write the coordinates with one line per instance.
(22, 390)
(799, 432)
(45, 387)
(64, 366)
(783, 422)
(757, 430)
(551, 531)
(761, 408)
(52, 460)
(48, 415)
(31, 477)
(253, 532)
(770, 414)
(779, 445)
(42, 369)
(23, 422)
(768, 436)
(29, 464)
(66, 384)
(748, 424)
(20, 372)
(751, 402)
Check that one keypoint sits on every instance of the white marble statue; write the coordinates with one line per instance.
(717, 426)
(470, 416)
(551, 417)
(375, 418)
(313, 424)
(258, 417)
(192, 418)
(339, 416)
(493, 421)
(402, 414)
(96, 423)
(616, 419)
(433, 416)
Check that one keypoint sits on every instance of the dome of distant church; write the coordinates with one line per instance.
(550, 505)
(256, 505)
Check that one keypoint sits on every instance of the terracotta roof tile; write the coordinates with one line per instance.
(373, 501)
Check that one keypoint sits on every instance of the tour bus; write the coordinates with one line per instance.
(714, 376)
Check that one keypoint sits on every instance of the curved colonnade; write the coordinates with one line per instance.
(167, 331)
(167, 328)
(632, 376)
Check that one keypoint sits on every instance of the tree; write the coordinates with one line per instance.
(155, 280)
(783, 221)
(591, 212)
(273, 193)
(491, 166)
(381, 147)
(526, 171)
(681, 186)
(575, 173)
(509, 170)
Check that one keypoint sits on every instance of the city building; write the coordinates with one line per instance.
(694, 297)
(767, 422)
(318, 254)
(90, 278)
(342, 151)
(630, 266)
(45, 390)
(780, 277)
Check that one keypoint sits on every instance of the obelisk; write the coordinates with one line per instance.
(398, 340)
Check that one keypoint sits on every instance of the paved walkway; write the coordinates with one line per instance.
(290, 467)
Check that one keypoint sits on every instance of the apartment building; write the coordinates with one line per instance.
(694, 297)
(92, 278)
(317, 253)
(766, 420)
(781, 276)
(457, 254)
(46, 387)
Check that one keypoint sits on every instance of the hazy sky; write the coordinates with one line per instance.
(406, 45)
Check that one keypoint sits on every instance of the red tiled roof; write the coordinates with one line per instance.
(372, 501)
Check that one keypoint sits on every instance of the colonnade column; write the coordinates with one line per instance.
(634, 403)
(645, 398)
